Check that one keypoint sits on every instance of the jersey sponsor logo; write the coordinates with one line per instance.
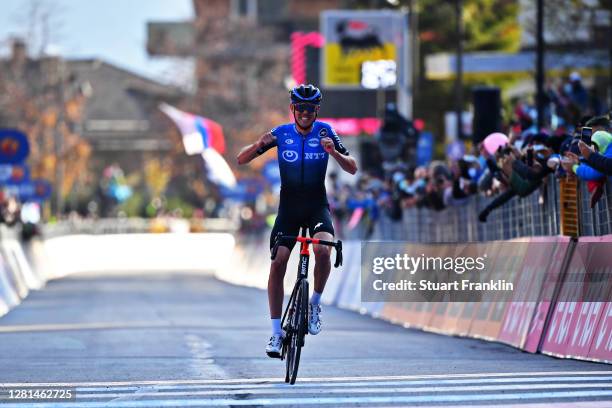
(314, 156)
(323, 132)
(289, 141)
(313, 142)
(289, 155)
(273, 130)
(318, 225)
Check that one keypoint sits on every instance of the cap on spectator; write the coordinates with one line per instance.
(602, 139)
(575, 77)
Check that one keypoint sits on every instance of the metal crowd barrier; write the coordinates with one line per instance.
(134, 225)
(535, 215)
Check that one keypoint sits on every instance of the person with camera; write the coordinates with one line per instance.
(521, 173)
(596, 159)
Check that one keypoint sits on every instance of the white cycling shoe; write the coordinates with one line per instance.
(314, 319)
(275, 345)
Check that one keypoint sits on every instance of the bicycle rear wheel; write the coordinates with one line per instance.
(298, 327)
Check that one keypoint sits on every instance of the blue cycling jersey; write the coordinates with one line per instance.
(302, 160)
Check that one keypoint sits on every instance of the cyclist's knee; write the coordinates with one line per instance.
(279, 264)
(321, 252)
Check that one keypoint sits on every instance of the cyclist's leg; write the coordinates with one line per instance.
(320, 227)
(287, 226)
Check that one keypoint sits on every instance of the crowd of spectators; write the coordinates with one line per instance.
(577, 143)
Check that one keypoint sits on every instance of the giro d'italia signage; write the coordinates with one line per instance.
(364, 49)
(31, 190)
(13, 173)
(14, 146)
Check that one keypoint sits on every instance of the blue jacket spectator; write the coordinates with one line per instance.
(603, 141)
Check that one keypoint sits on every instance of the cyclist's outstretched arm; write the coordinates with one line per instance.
(264, 143)
(339, 152)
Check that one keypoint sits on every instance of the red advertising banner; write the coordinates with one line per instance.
(601, 347)
(550, 285)
(573, 324)
(522, 318)
(487, 317)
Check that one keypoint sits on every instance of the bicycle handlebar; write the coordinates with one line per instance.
(280, 237)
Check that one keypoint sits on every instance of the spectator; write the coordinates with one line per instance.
(597, 159)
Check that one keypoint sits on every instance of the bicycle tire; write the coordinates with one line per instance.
(287, 324)
(299, 330)
(289, 347)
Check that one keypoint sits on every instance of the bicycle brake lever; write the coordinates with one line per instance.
(338, 254)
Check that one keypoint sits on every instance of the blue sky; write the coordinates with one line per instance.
(112, 30)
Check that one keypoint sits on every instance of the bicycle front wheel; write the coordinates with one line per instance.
(298, 328)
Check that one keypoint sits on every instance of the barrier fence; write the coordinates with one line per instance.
(539, 214)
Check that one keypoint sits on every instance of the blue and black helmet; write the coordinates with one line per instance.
(306, 93)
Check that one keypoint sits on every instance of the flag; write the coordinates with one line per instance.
(199, 133)
(205, 137)
(218, 170)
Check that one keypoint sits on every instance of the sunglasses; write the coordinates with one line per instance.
(305, 107)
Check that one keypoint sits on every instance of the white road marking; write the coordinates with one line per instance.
(492, 388)
(454, 398)
(350, 391)
(304, 380)
(299, 385)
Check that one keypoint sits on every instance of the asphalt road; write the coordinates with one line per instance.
(175, 339)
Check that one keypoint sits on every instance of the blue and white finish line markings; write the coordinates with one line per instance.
(567, 389)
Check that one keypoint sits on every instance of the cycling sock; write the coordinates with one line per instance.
(316, 298)
(276, 326)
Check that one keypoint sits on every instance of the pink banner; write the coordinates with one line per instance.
(601, 347)
(573, 324)
(524, 321)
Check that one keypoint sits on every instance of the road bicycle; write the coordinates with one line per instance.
(295, 316)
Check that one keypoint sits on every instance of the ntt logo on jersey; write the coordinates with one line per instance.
(314, 156)
(290, 156)
(313, 142)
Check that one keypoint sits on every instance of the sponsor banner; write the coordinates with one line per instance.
(516, 324)
(449, 317)
(13, 174)
(14, 146)
(549, 288)
(409, 314)
(354, 39)
(601, 346)
(577, 312)
(487, 315)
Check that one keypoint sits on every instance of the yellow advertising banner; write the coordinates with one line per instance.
(343, 67)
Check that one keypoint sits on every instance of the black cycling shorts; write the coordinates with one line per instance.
(293, 214)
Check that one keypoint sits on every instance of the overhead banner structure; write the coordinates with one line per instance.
(363, 49)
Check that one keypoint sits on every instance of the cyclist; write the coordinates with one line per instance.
(303, 149)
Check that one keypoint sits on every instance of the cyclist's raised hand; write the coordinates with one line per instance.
(266, 139)
(327, 144)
